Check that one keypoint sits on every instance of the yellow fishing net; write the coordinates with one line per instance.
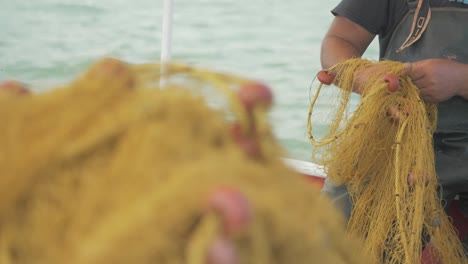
(387, 162)
(109, 170)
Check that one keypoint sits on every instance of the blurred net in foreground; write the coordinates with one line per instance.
(108, 170)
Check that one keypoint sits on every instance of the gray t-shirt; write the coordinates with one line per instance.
(381, 17)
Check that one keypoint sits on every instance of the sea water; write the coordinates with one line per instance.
(47, 42)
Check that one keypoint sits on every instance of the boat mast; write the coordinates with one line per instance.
(166, 38)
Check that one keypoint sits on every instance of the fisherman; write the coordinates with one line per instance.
(430, 37)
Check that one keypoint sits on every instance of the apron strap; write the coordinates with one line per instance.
(422, 15)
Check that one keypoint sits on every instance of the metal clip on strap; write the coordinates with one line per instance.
(422, 15)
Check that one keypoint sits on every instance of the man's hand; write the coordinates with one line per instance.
(235, 212)
(438, 79)
(362, 76)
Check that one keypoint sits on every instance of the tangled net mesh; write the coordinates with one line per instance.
(108, 170)
(387, 162)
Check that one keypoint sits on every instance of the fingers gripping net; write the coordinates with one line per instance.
(108, 170)
(386, 159)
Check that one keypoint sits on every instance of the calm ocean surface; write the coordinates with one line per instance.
(46, 42)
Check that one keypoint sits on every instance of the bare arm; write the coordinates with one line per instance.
(344, 40)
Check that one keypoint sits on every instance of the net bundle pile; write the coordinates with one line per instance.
(109, 170)
(383, 152)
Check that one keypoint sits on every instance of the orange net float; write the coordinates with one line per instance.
(14, 87)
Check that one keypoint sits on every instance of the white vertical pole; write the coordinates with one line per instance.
(166, 37)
